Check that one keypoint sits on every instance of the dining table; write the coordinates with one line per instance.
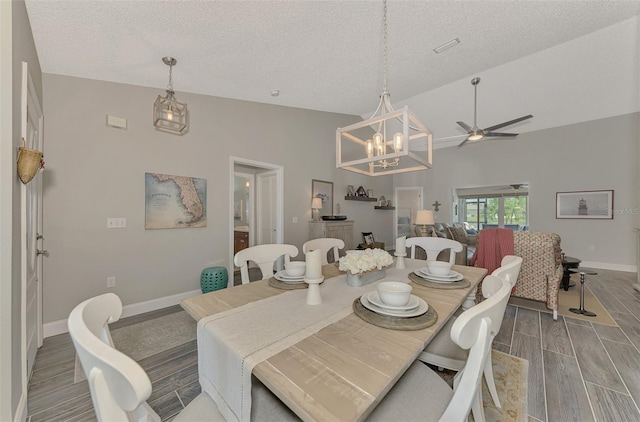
(341, 366)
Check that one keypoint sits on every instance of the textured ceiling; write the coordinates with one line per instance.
(320, 55)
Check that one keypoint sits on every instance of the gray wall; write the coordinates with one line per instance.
(94, 172)
(17, 46)
(599, 154)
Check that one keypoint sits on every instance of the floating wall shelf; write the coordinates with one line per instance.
(360, 198)
(384, 208)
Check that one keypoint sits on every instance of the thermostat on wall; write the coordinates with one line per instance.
(119, 122)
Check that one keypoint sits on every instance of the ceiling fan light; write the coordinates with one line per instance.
(476, 137)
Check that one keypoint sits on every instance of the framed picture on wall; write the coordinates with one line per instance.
(323, 190)
(594, 204)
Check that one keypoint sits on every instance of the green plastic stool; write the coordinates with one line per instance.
(213, 278)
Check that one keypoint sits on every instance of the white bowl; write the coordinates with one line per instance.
(439, 267)
(295, 268)
(394, 293)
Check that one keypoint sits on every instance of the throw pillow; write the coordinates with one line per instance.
(458, 234)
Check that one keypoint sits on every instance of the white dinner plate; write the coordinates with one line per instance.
(450, 276)
(420, 310)
(374, 298)
(437, 279)
(282, 276)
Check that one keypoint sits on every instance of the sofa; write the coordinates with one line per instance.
(454, 231)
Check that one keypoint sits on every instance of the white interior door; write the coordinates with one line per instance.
(266, 208)
(31, 229)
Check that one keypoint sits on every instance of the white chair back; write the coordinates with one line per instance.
(263, 255)
(119, 386)
(325, 244)
(509, 269)
(433, 246)
(473, 330)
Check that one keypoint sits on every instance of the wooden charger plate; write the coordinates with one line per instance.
(286, 286)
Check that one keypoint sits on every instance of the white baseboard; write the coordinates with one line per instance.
(58, 327)
(21, 411)
(607, 266)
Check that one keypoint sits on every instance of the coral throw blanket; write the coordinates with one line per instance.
(493, 245)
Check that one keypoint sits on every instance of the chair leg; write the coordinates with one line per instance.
(555, 314)
(476, 407)
(488, 376)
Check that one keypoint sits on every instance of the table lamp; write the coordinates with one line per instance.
(424, 218)
(316, 205)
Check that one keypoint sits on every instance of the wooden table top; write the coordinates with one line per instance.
(343, 371)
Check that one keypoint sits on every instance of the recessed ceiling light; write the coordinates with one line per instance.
(449, 44)
(275, 93)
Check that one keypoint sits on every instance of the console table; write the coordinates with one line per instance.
(336, 229)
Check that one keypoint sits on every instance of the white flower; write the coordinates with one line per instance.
(357, 262)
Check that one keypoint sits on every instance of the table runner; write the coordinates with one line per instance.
(231, 343)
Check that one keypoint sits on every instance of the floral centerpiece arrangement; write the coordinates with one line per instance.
(366, 266)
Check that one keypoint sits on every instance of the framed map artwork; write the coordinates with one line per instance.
(173, 202)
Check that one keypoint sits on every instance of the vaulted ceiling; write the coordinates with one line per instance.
(328, 55)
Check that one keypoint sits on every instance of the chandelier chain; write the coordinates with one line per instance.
(170, 85)
(384, 86)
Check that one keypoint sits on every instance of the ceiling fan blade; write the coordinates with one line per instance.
(499, 134)
(462, 135)
(510, 122)
(461, 144)
(465, 126)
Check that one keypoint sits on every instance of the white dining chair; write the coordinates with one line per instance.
(444, 353)
(263, 255)
(509, 269)
(433, 246)
(325, 244)
(119, 386)
(422, 395)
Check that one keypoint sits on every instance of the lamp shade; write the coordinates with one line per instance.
(316, 203)
(425, 217)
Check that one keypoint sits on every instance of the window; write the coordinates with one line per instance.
(482, 208)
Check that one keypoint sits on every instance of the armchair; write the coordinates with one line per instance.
(541, 269)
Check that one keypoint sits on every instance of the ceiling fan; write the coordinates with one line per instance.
(475, 133)
(515, 187)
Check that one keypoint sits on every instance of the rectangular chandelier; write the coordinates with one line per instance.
(390, 143)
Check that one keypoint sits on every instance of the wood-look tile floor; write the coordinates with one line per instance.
(578, 370)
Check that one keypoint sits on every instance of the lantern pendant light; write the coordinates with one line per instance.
(168, 114)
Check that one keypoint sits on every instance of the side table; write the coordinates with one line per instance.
(568, 263)
(581, 309)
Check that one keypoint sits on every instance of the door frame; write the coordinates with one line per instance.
(29, 97)
(252, 198)
(279, 171)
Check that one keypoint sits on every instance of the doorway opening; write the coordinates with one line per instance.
(256, 201)
(408, 201)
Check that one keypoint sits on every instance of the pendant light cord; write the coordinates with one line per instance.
(170, 86)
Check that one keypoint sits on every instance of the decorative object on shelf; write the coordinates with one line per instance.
(389, 203)
(595, 204)
(424, 218)
(29, 162)
(436, 206)
(337, 208)
(323, 190)
(394, 129)
(369, 193)
(366, 266)
(168, 114)
(401, 251)
(382, 201)
(350, 190)
(367, 237)
(361, 191)
(316, 205)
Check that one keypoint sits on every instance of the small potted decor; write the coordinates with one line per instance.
(365, 266)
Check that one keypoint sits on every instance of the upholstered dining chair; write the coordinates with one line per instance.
(422, 395)
(325, 244)
(443, 353)
(433, 246)
(119, 386)
(263, 255)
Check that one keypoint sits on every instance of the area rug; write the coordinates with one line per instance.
(511, 376)
(149, 338)
(571, 299)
